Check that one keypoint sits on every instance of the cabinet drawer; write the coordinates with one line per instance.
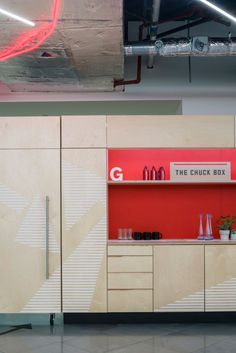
(130, 264)
(130, 281)
(130, 301)
(142, 250)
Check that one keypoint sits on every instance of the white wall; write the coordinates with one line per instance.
(209, 105)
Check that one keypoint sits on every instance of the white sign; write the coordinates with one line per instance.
(200, 171)
(116, 174)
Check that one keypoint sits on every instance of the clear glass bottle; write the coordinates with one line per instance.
(200, 231)
(125, 234)
(129, 231)
(208, 231)
(120, 233)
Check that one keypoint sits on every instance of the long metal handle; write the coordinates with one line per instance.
(47, 237)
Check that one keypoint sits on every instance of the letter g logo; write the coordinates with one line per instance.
(116, 174)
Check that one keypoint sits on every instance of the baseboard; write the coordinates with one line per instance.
(133, 318)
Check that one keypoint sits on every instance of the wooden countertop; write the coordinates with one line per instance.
(172, 242)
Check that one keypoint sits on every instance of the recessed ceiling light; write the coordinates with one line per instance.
(16, 17)
(218, 9)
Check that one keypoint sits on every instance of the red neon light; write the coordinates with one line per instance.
(33, 38)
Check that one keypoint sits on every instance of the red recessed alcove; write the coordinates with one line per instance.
(171, 209)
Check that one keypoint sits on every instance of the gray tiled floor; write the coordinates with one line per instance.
(142, 338)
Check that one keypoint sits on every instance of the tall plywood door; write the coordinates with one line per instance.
(84, 231)
(220, 277)
(179, 278)
(30, 231)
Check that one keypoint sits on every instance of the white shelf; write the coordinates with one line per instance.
(169, 182)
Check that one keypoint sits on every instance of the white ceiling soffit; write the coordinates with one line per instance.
(86, 49)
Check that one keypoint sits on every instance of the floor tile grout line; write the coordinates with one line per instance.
(117, 348)
(192, 331)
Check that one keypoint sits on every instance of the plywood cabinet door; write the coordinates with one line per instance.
(170, 131)
(30, 132)
(29, 273)
(84, 230)
(179, 278)
(84, 131)
(220, 277)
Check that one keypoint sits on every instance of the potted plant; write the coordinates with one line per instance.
(233, 234)
(225, 225)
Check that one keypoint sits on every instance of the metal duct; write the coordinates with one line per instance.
(196, 46)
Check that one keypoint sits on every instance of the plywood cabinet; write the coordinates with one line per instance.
(130, 279)
(30, 264)
(220, 277)
(179, 278)
(170, 131)
(84, 232)
(133, 278)
(185, 278)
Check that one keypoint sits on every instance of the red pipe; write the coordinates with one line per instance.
(137, 80)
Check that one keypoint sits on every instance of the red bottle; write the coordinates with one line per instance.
(161, 173)
(153, 173)
(145, 173)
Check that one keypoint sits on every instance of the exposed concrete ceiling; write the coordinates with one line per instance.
(85, 51)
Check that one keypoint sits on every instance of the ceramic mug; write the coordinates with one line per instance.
(156, 235)
(137, 235)
(147, 235)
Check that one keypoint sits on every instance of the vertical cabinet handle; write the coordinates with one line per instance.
(47, 237)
